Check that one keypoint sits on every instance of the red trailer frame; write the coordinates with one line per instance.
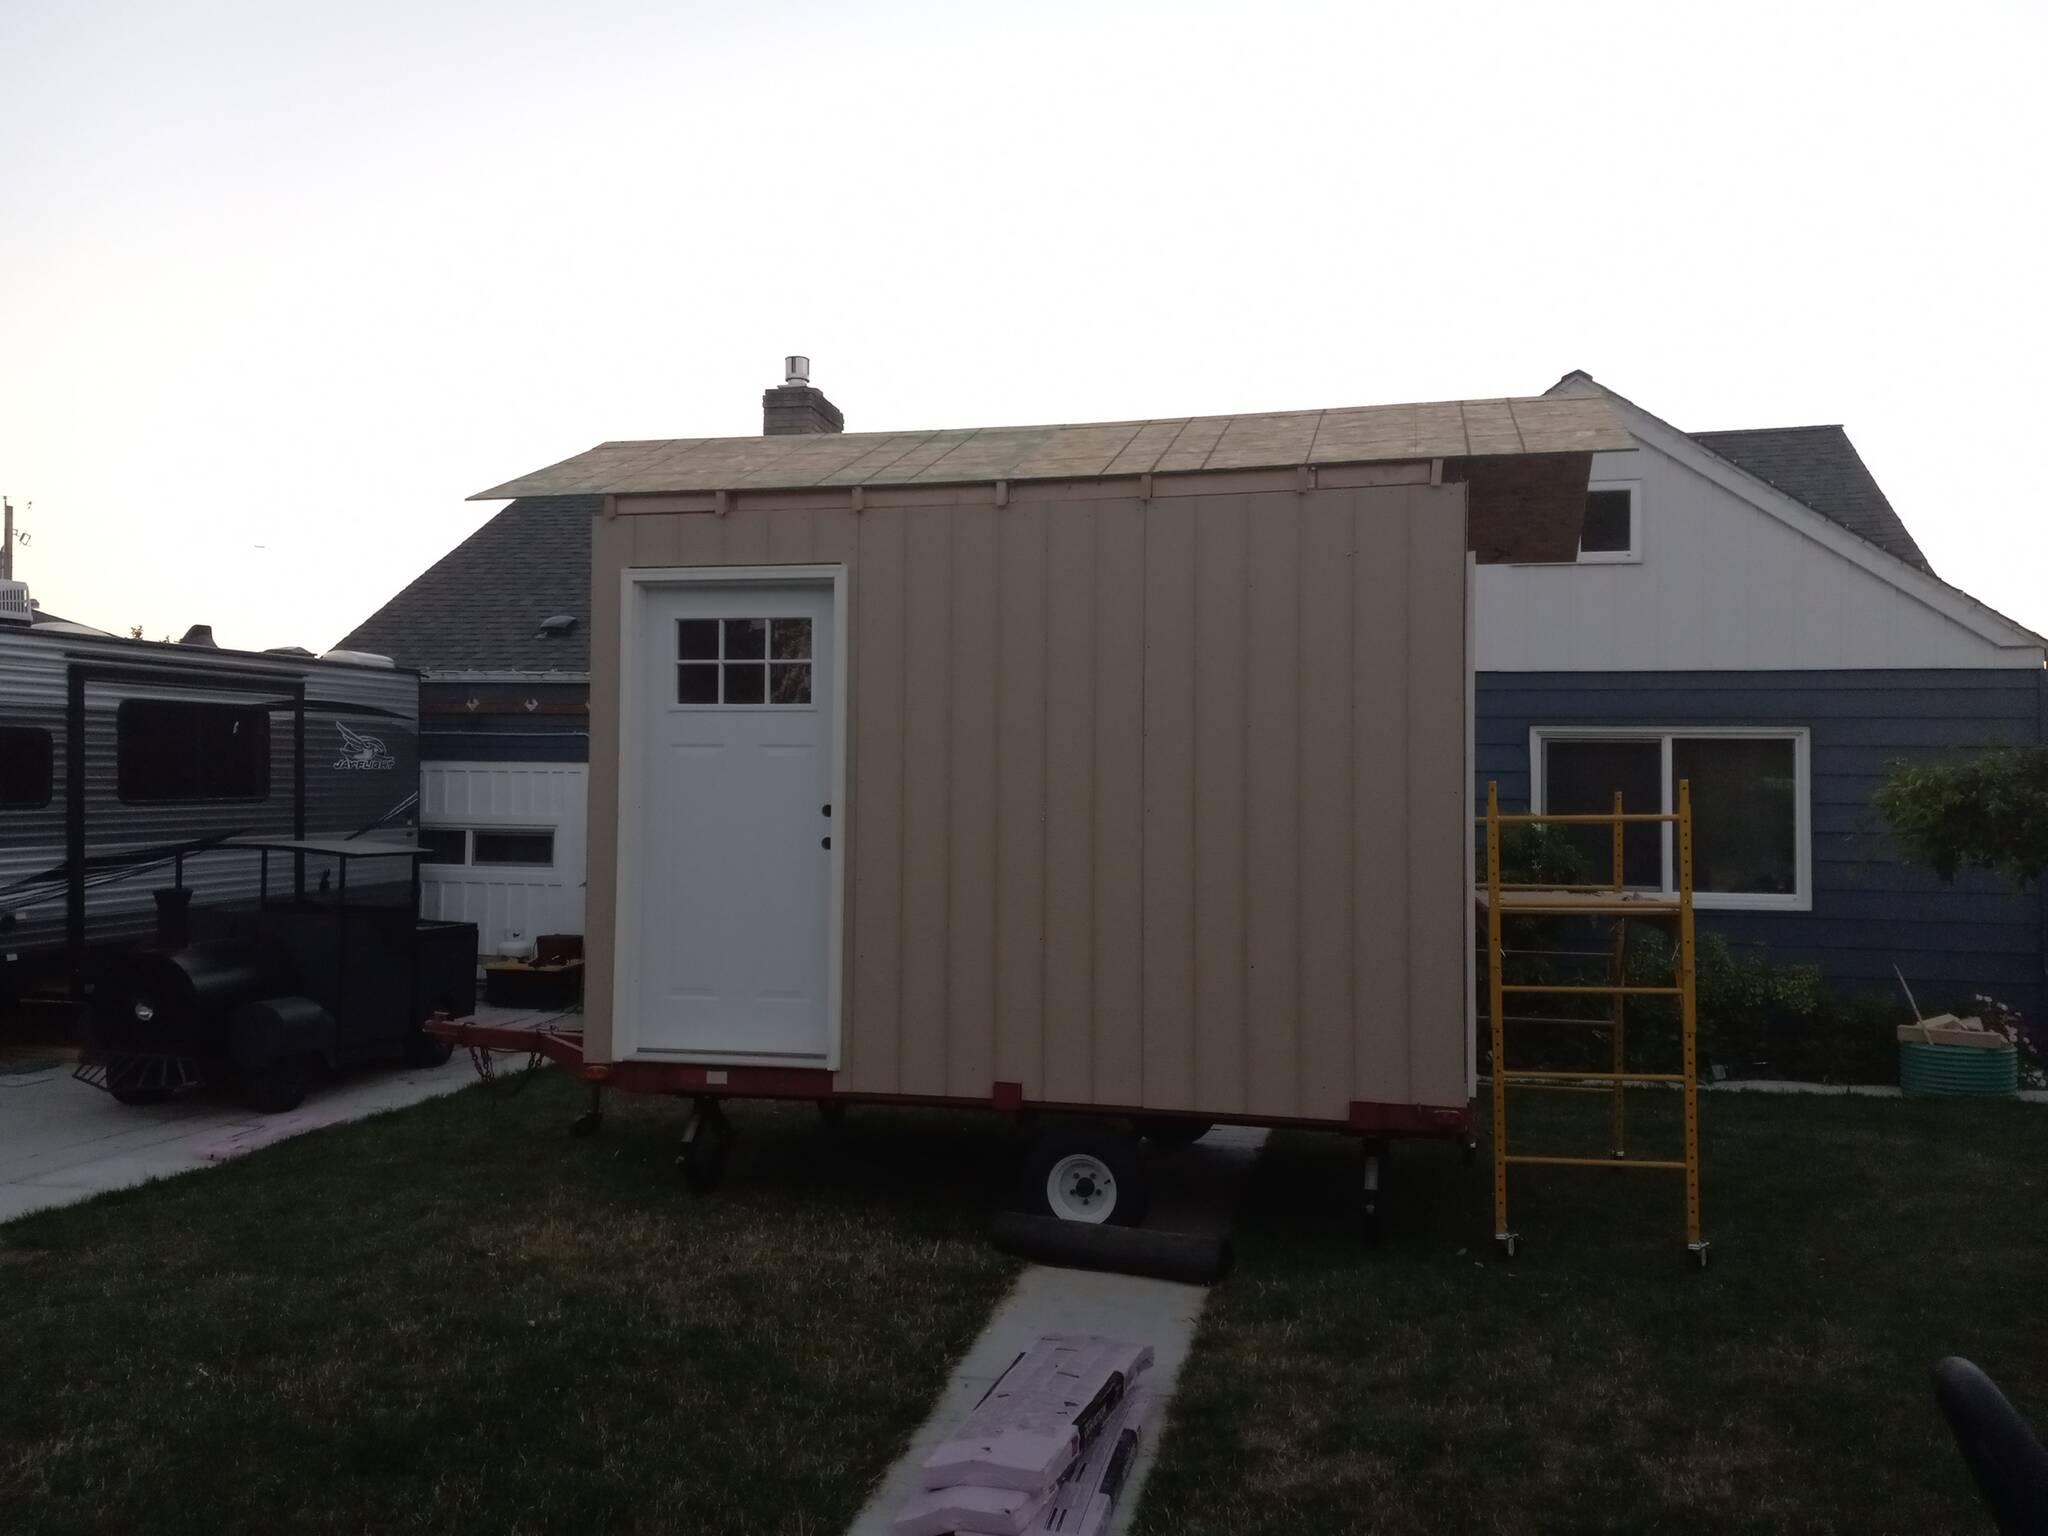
(564, 1047)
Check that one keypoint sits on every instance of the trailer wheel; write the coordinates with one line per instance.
(1169, 1133)
(277, 1086)
(1091, 1173)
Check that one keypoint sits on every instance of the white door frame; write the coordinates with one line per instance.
(634, 585)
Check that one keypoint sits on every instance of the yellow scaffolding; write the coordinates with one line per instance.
(1504, 899)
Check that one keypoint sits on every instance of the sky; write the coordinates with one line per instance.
(281, 285)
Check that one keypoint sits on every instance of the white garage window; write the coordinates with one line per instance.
(516, 847)
(1751, 806)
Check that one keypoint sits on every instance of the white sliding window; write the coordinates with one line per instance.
(1751, 805)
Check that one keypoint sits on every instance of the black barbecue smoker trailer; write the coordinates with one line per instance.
(336, 970)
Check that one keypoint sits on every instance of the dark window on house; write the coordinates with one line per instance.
(24, 766)
(532, 848)
(445, 845)
(1747, 808)
(1580, 778)
(169, 750)
(1609, 526)
(1745, 812)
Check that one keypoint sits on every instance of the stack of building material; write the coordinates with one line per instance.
(1046, 1449)
(1950, 1057)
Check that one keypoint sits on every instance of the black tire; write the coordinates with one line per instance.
(425, 1050)
(140, 1097)
(1092, 1173)
(277, 1087)
(1169, 1133)
(832, 1112)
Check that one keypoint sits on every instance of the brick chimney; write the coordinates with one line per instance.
(796, 407)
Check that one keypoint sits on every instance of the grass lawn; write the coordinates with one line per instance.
(455, 1318)
(1596, 1384)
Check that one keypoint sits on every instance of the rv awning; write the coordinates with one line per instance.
(1450, 429)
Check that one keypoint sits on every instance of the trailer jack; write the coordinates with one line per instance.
(707, 1137)
(591, 1121)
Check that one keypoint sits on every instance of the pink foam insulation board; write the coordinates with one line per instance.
(1079, 1504)
(1039, 1416)
(1083, 1502)
(982, 1511)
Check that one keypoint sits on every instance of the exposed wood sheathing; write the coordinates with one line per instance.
(1550, 424)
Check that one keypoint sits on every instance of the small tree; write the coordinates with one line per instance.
(1988, 813)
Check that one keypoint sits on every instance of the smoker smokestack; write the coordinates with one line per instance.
(795, 407)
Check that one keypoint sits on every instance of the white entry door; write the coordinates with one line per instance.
(734, 821)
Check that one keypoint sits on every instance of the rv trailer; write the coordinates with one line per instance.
(119, 756)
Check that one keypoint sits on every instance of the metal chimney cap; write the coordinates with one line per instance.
(796, 370)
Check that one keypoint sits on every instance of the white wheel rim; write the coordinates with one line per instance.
(1080, 1187)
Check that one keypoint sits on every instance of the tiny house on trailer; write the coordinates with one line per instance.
(1114, 771)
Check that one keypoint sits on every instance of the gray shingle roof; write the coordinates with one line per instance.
(478, 608)
(1820, 467)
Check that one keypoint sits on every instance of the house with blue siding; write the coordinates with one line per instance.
(1749, 613)
(499, 629)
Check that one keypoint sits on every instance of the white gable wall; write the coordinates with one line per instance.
(1724, 584)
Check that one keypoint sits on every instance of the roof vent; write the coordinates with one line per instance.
(15, 607)
(796, 370)
(555, 626)
(200, 634)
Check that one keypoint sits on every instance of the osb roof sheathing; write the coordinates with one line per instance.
(1448, 429)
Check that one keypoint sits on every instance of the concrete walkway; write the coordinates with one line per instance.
(1194, 1190)
(63, 1141)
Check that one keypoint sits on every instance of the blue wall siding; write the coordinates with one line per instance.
(1870, 909)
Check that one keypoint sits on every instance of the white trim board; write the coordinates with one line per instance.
(1802, 771)
(634, 582)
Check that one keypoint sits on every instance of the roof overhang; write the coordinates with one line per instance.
(1472, 431)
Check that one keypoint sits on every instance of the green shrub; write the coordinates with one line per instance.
(1988, 813)
(1534, 853)
(1756, 1018)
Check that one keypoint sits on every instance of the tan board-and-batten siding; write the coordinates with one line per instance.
(1155, 800)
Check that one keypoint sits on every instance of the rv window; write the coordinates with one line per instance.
(168, 749)
(24, 766)
(445, 845)
(513, 847)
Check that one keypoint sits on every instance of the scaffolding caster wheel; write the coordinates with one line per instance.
(1696, 1254)
(1507, 1244)
(591, 1121)
(706, 1139)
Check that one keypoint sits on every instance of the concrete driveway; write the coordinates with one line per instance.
(62, 1141)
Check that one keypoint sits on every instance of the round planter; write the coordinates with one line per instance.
(1958, 1071)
